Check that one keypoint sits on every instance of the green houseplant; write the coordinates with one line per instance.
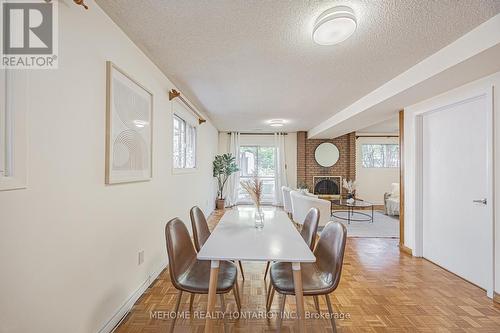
(223, 166)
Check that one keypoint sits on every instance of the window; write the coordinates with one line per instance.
(380, 155)
(3, 124)
(260, 161)
(184, 144)
(13, 106)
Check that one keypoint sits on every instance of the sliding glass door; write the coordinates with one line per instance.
(260, 161)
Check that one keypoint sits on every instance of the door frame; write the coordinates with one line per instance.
(443, 104)
(257, 146)
(401, 121)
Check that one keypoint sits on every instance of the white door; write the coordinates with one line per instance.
(456, 166)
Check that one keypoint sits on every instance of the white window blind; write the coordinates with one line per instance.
(184, 141)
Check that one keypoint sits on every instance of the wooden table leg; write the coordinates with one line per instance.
(297, 282)
(212, 293)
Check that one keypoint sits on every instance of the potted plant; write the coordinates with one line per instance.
(223, 166)
(350, 186)
(302, 187)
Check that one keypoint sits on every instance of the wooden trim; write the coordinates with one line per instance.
(496, 297)
(174, 93)
(402, 180)
(405, 249)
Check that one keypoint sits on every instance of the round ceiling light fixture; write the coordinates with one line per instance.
(334, 26)
(276, 123)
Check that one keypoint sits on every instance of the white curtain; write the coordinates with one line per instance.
(280, 167)
(233, 183)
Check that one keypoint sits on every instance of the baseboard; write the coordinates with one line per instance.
(122, 311)
(405, 249)
(496, 297)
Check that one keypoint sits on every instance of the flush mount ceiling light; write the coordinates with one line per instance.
(334, 26)
(276, 123)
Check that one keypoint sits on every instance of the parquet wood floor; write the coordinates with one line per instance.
(382, 289)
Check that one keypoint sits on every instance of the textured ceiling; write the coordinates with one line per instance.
(246, 61)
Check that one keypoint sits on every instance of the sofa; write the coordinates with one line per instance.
(301, 204)
(391, 201)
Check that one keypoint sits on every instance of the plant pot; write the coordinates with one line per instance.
(220, 203)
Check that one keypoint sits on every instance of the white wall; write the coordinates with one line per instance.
(290, 150)
(411, 151)
(372, 183)
(69, 243)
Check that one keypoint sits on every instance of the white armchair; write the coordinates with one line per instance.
(301, 204)
(287, 201)
(391, 200)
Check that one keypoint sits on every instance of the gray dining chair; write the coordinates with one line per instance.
(188, 274)
(201, 231)
(309, 233)
(319, 278)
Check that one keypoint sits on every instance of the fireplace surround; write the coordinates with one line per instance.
(327, 185)
(308, 168)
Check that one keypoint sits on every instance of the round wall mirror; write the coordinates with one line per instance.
(326, 154)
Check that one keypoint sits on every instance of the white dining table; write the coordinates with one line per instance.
(236, 238)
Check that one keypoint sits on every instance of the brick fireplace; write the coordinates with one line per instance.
(327, 185)
(308, 168)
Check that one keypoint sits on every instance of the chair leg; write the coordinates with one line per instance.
(270, 298)
(268, 294)
(316, 303)
(177, 303)
(236, 292)
(331, 313)
(241, 269)
(223, 306)
(282, 312)
(267, 269)
(191, 299)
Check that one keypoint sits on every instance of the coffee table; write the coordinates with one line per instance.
(353, 215)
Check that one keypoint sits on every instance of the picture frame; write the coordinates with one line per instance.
(129, 128)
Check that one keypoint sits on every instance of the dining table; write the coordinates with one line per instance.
(235, 237)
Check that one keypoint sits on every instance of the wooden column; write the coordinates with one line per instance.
(402, 183)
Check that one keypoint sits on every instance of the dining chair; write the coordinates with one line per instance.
(188, 274)
(319, 278)
(201, 231)
(308, 231)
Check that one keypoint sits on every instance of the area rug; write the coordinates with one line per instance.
(383, 226)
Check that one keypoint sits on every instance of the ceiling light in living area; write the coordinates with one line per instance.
(276, 123)
(334, 26)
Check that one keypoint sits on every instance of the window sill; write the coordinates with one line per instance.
(184, 171)
(11, 183)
